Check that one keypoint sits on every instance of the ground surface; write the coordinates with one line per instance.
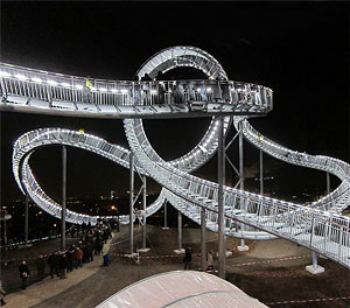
(272, 271)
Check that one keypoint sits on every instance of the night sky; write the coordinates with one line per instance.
(300, 50)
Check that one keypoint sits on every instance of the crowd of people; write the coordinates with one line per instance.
(91, 242)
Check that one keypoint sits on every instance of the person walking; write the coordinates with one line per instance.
(40, 266)
(188, 258)
(210, 261)
(24, 274)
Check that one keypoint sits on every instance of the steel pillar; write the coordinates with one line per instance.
(144, 200)
(243, 246)
(328, 183)
(261, 173)
(144, 217)
(26, 220)
(165, 207)
(64, 197)
(203, 240)
(314, 268)
(221, 201)
(0, 197)
(179, 234)
(131, 200)
(5, 230)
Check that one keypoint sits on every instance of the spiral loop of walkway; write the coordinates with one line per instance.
(320, 227)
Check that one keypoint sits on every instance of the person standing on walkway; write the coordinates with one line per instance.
(106, 257)
(40, 266)
(52, 261)
(210, 261)
(2, 295)
(188, 258)
(24, 273)
(62, 265)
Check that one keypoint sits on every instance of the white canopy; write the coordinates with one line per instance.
(181, 289)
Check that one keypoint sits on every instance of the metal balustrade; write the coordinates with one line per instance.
(20, 86)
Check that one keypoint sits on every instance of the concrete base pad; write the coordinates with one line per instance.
(243, 248)
(131, 255)
(315, 270)
(165, 228)
(144, 249)
(179, 251)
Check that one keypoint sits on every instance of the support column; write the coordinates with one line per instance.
(144, 218)
(328, 183)
(0, 198)
(179, 234)
(131, 203)
(261, 173)
(165, 208)
(64, 197)
(26, 221)
(221, 181)
(243, 246)
(314, 268)
(203, 240)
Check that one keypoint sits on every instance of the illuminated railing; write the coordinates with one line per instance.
(52, 87)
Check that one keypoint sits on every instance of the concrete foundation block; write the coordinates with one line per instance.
(315, 270)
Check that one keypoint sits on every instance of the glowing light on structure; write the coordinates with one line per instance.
(4, 74)
(52, 82)
(37, 79)
(65, 84)
(21, 77)
(78, 87)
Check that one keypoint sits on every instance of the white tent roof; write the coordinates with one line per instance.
(181, 289)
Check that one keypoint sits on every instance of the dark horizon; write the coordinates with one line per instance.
(300, 50)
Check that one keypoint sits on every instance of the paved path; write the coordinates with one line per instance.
(48, 288)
